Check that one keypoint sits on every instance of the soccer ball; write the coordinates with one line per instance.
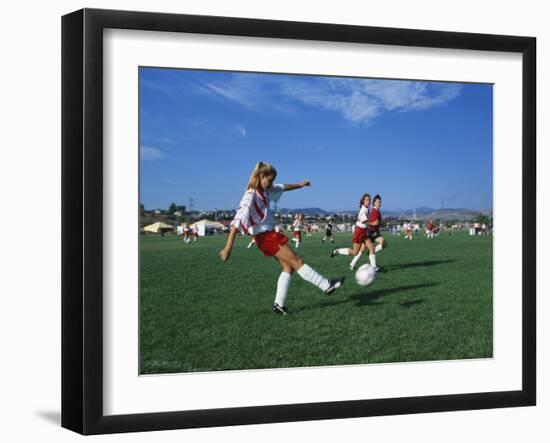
(365, 275)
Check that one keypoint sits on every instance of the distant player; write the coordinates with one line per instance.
(255, 218)
(328, 233)
(297, 227)
(408, 230)
(375, 241)
(359, 234)
(430, 230)
(186, 232)
(308, 230)
(195, 233)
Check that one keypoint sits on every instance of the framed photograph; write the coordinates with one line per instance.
(269, 221)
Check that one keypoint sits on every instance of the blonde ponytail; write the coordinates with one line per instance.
(261, 169)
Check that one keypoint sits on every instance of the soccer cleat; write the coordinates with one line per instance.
(280, 310)
(333, 253)
(335, 284)
(379, 269)
(351, 268)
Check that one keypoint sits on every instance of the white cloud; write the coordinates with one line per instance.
(356, 100)
(149, 153)
(360, 100)
(233, 93)
(242, 130)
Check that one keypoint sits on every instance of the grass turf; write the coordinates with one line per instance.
(197, 313)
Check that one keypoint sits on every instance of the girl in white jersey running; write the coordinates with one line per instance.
(254, 217)
(297, 227)
(359, 234)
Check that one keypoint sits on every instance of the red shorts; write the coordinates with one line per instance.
(359, 235)
(270, 242)
(298, 235)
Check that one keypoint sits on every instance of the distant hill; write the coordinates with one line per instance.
(422, 213)
(461, 214)
(305, 211)
(423, 210)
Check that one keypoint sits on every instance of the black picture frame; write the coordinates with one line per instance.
(82, 218)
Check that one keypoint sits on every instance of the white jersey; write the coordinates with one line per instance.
(362, 217)
(298, 225)
(254, 215)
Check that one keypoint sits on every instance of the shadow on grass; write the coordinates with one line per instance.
(410, 304)
(372, 298)
(417, 264)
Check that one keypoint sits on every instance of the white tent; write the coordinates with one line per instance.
(157, 227)
(204, 225)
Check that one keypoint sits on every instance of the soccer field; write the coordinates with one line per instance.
(197, 313)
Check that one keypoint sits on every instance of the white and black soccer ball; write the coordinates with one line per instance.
(365, 275)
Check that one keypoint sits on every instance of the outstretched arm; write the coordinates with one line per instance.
(226, 252)
(291, 187)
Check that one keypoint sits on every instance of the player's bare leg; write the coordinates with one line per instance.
(362, 249)
(381, 243)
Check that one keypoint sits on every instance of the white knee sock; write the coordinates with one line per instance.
(356, 259)
(297, 244)
(343, 251)
(282, 288)
(313, 277)
(378, 248)
(372, 260)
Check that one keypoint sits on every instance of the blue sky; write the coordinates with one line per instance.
(414, 142)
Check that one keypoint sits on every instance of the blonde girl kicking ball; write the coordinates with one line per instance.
(254, 217)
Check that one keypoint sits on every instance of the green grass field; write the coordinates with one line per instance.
(197, 313)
